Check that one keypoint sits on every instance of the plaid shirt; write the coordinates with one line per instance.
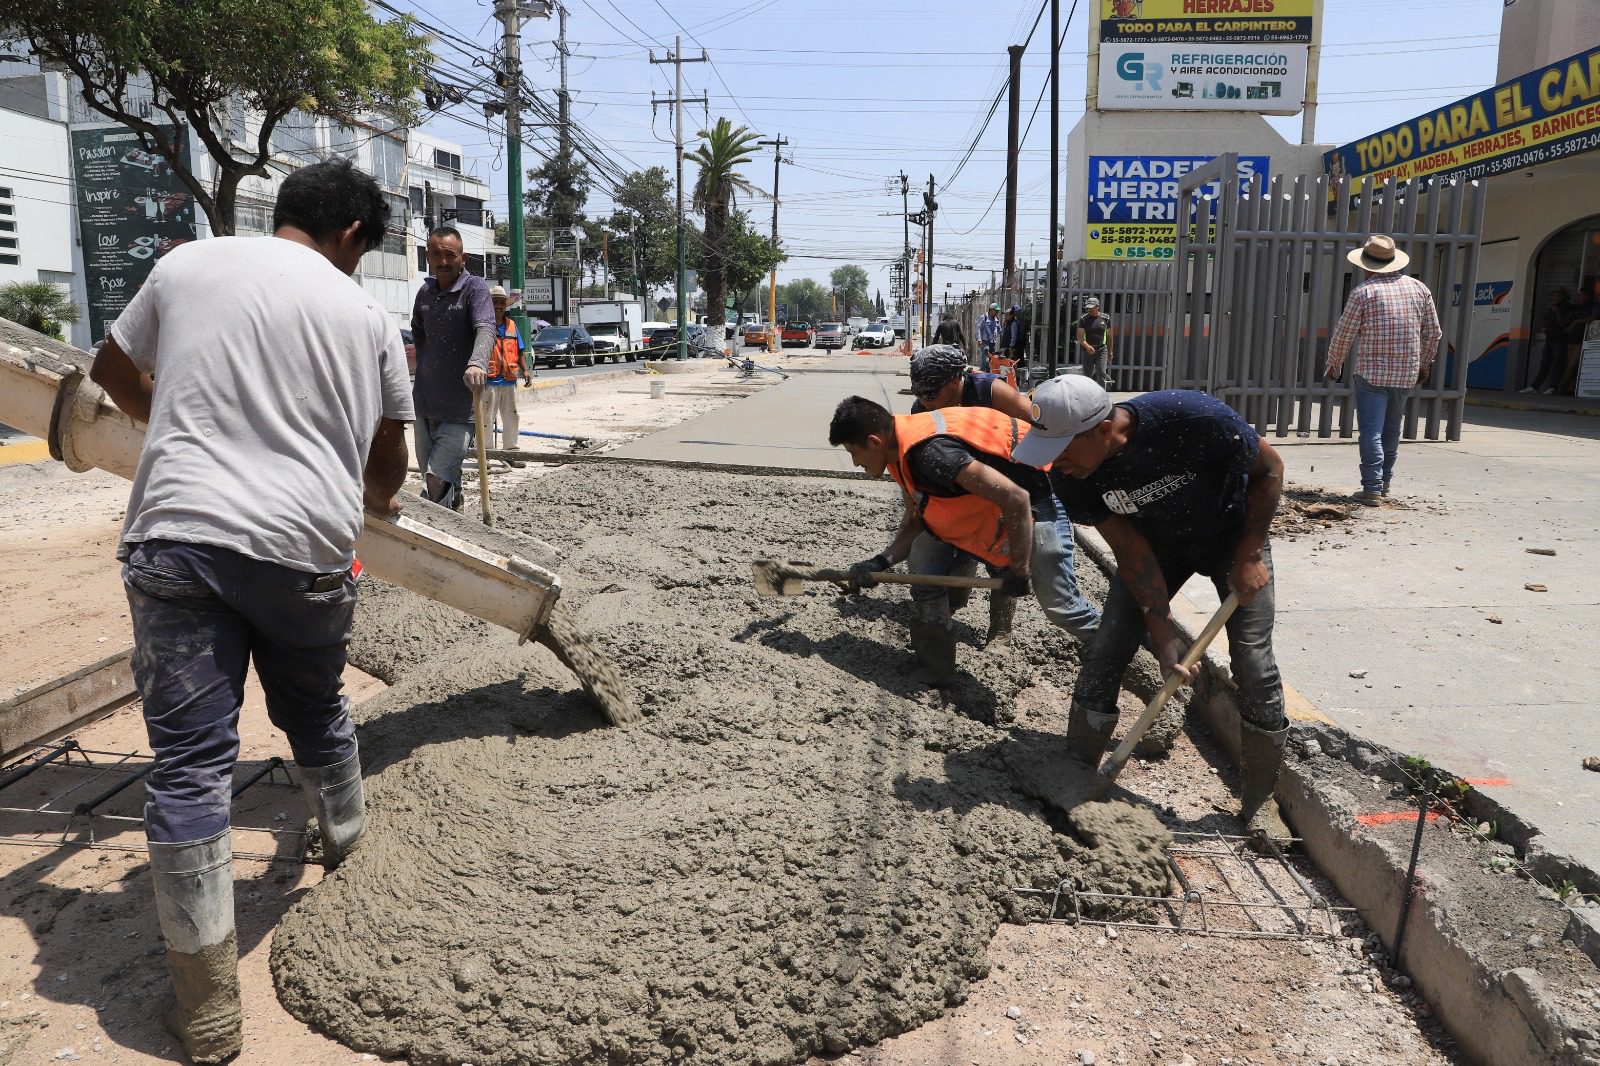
(1394, 316)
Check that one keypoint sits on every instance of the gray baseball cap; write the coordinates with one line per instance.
(1063, 407)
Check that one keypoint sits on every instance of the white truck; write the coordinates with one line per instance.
(857, 324)
(617, 327)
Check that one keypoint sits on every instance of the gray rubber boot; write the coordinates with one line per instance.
(1260, 757)
(338, 802)
(1002, 611)
(193, 884)
(1089, 734)
(934, 645)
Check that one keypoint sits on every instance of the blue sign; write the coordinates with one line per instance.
(1133, 202)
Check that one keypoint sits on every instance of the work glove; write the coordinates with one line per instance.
(861, 573)
(1014, 583)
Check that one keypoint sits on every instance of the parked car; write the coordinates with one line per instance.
(799, 333)
(876, 335)
(563, 343)
(757, 335)
(411, 351)
(702, 342)
(830, 335)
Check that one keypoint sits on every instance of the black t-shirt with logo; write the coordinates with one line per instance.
(1181, 479)
(1095, 326)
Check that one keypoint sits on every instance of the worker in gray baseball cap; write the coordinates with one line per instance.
(1178, 483)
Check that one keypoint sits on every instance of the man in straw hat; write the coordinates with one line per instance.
(1398, 326)
(1178, 484)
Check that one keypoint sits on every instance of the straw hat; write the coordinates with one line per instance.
(1379, 255)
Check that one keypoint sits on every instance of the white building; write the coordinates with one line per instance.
(444, 192)
(38, 238)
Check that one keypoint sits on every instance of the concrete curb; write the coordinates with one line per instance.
(547, 389)
(1522, 405)
(1500, 1015)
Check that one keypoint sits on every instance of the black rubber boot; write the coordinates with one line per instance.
(1260, 757)
(338, 802)
(1089, 734)
(934, 645)
(1002, 611)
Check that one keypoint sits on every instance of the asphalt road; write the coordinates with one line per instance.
(561, 371)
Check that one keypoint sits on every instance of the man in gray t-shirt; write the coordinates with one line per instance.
(1094, 342)
(269, 425)
(454, 325)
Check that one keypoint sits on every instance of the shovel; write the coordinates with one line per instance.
(1119, 758)
(774, 578)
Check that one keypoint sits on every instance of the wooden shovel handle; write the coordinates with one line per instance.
(890, 577)
(1113, 765)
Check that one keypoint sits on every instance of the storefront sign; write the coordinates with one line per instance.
(1203, 77)
(1133, 202)
(1211, 21)
(132, 210)
(1546, 114)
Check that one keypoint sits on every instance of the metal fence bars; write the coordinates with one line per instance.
(1136, 296)
(1261, 279)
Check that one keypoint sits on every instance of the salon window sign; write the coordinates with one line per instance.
(1207, 22)
(1547, 114)
(132, 210)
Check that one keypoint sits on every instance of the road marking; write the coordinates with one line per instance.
(1487, 782)
(27, 451)
(1389, 817)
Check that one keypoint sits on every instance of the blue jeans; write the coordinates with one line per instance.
(1379, 409)
(1053, 571)
(201, 614)
(441, 449)
(1122, 629)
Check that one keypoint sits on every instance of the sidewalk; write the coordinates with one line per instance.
(1461, 663)
(1508, 703)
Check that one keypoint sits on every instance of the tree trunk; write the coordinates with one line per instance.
(716, 274)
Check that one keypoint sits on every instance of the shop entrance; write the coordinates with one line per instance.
(1569, 262)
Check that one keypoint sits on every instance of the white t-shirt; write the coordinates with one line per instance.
(272, 370)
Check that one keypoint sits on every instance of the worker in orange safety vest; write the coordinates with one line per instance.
(505, 369)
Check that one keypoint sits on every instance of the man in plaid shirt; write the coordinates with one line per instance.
(1393, 316)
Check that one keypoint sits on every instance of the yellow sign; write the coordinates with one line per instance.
(1134, 240)
(1546, 114)
(1210, 21)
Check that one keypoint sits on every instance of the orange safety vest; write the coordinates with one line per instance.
(505, 361)
(968, 522)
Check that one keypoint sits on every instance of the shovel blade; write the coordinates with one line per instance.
(774, 578)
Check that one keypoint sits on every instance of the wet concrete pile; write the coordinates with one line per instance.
(798, 850)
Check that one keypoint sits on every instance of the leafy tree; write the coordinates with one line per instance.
(751, 257)
(644, 231)
(147, 63)
(557, 191)
(850, 288)
(722, 149)
(38, 305)
(806, 298)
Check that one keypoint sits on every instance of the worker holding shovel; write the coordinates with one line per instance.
(1178, 484)
(966, 500)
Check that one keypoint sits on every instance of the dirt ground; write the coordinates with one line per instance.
(80, 968)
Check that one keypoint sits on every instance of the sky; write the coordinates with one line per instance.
(865, 93)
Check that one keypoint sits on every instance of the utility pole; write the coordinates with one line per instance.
(905, 273)
(563, 99)
(930, 207)
(1051, 307)
(1015, 117)
(511, 13)
(772, 283)
(677, 101)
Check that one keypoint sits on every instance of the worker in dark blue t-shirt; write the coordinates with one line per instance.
(1178, 484)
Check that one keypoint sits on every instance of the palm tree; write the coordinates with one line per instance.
(39, 305)
(722, 148)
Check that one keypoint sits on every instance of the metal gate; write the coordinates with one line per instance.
(1260, 279)
(1137, 297)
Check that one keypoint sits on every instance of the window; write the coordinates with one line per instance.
(389, 161)
(7, 226)
(252, 218)
(468, 211)
(444, 160)
(394, 234)
(10, 260)
(419, 205)
(295, 135)
(422, 258)
(8, 242)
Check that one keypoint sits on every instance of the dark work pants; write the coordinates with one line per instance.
(201, 614)
(1122, 629)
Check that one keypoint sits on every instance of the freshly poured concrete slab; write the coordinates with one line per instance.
(786, 424)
